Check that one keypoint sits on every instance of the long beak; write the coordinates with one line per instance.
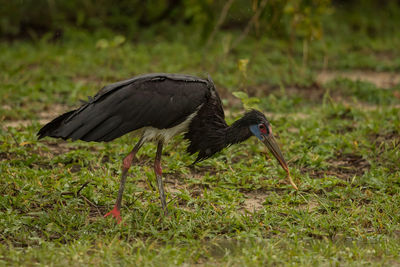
(270, 142)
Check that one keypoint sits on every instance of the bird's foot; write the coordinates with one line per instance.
(115, 213)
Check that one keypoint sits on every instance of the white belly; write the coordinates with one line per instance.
(154, 134)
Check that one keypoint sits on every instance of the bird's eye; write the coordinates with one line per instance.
(262, 128)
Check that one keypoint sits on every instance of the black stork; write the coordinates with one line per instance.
(158, 107)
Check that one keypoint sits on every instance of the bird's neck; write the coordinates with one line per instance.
(210, 136)
(236, 133)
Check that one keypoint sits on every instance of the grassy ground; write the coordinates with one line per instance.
(338, 127)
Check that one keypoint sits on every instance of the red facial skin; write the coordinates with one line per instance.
(263, 129)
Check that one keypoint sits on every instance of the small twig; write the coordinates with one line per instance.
(135, 199)
(80, 189)
(91, 203)
(221, 20)
(77, 194)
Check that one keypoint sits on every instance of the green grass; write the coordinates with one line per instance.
(341, 140)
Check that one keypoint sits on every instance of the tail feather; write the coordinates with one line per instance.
(50, 128)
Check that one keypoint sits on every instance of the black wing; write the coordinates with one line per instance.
(157, 100)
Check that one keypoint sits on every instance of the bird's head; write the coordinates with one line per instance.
(261, 128)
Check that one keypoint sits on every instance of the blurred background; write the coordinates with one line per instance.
(289, 20)
(256, 47)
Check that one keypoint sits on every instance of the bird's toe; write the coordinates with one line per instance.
(115, 213)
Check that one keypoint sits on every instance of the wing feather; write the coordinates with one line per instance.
(157, 100)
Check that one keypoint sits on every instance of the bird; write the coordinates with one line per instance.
(158, 107)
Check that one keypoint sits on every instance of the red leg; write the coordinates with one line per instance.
(126, 164)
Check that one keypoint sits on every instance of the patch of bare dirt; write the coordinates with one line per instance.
(57, 148)
(390, 137)
(343, 166)
(380, 79)
(45, 116)
(174, 185)
(92, 80)
(226, 94)
(7, 155)
(314, 92)
(50, 112)
(22, 123)
(311, 205)
(254, 201)
(295, 116)
(199, 171)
